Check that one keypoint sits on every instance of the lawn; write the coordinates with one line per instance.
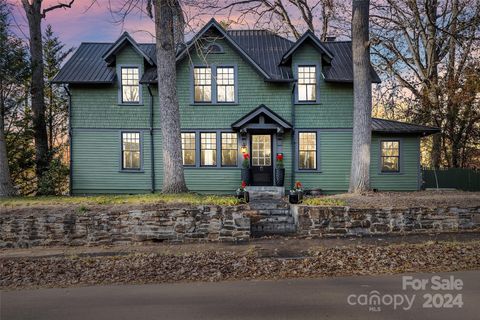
(139, 199)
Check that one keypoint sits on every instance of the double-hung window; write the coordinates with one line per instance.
(229, 149)
(307, 150)
(130, 85)
(188, 148)
(208, 149)
(225, 84)
(390, 156)
(202, 78)
(307, 83)
(131, 151)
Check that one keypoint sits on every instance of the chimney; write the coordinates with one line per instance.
(331, 38)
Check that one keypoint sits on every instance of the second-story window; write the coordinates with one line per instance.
(225, 84)
(202, 77)
(130, 85)
(307, 84)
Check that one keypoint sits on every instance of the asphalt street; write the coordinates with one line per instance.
(449, 296)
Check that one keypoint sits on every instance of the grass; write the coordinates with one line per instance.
(324, 202)
(187, 198)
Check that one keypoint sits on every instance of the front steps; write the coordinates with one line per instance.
(274, 216)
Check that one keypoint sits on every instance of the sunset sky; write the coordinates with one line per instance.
(96, 23)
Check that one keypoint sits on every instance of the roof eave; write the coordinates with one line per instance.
(108, 56)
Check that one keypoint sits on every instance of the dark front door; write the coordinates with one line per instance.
(261, 157)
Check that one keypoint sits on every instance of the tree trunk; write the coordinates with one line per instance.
(173, 176)
(37, 87)
(6, 186)
(362, 104)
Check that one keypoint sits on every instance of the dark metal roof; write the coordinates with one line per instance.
(87, 66)
(341, 66)
(391, 126)
(264, 50)
(264, 111)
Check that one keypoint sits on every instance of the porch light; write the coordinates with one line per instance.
(243, 149)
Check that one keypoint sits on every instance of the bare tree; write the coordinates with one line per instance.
(169, 28)
(429, 49)
(362, 98)
(35, 13)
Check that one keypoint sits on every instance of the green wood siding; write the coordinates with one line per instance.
(408, 178)
(335, 109)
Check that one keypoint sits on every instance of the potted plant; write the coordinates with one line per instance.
(242, 193)
(296, 194)
(279, 171)
(246, 168)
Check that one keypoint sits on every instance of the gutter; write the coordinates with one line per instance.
(70, 140)
(152, 145)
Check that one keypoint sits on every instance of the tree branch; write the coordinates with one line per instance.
(57, 6)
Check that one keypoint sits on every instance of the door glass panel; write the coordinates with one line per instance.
(261, 150)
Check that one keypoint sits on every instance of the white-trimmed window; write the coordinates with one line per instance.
(307, 150)
(202, 78)
(131, 159)
(229, 149)
(188, 148)
(307, 83)
(390, 156)
(208, 149)
(225, 84)
(130, 85)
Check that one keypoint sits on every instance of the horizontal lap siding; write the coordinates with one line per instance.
(335, 158)
(97, 162)
(407, 180)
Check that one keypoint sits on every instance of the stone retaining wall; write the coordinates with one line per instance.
(335, 221)
(57, 227)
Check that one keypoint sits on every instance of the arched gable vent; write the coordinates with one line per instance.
(213, 48)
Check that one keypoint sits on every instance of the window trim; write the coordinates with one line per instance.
(297, 150)
(216, 150)
(140, 86)
(221, 151)
(219, 147)
(214, 101)
(196, 153)
(400, 156)
(317, 89)
(131, 170)
(211, 83)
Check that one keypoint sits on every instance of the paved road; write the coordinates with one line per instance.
(287, 299)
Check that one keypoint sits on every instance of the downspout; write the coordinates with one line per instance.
(152, 145)
(70, 173)
(294, 156)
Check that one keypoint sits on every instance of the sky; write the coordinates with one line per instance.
(87, 22)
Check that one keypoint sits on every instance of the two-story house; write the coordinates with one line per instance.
(239, 91)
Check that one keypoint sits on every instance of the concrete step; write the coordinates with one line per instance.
(274, 212)
(267, 205)
(266, 189)
(275, 219)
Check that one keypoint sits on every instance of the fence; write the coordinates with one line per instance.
(456, 178)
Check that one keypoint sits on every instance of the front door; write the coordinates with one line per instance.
(262, 168)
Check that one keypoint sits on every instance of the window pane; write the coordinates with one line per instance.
(130, 85)
(307, 83)
(131, 150)
(390, 156)
(188, 148)
(226, 84)
(229, 149)
(307, 150)
(202, 77)
(261, 150)
(208, 149)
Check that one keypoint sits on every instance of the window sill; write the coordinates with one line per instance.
(388, 173)
(131, 171)
(210, 167)
(308, 171)
(131, 104)
(214, 104)
(299, 103)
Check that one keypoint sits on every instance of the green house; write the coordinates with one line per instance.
(240, 91)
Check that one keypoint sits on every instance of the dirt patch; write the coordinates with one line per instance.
(254, 261)
(427, 199)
